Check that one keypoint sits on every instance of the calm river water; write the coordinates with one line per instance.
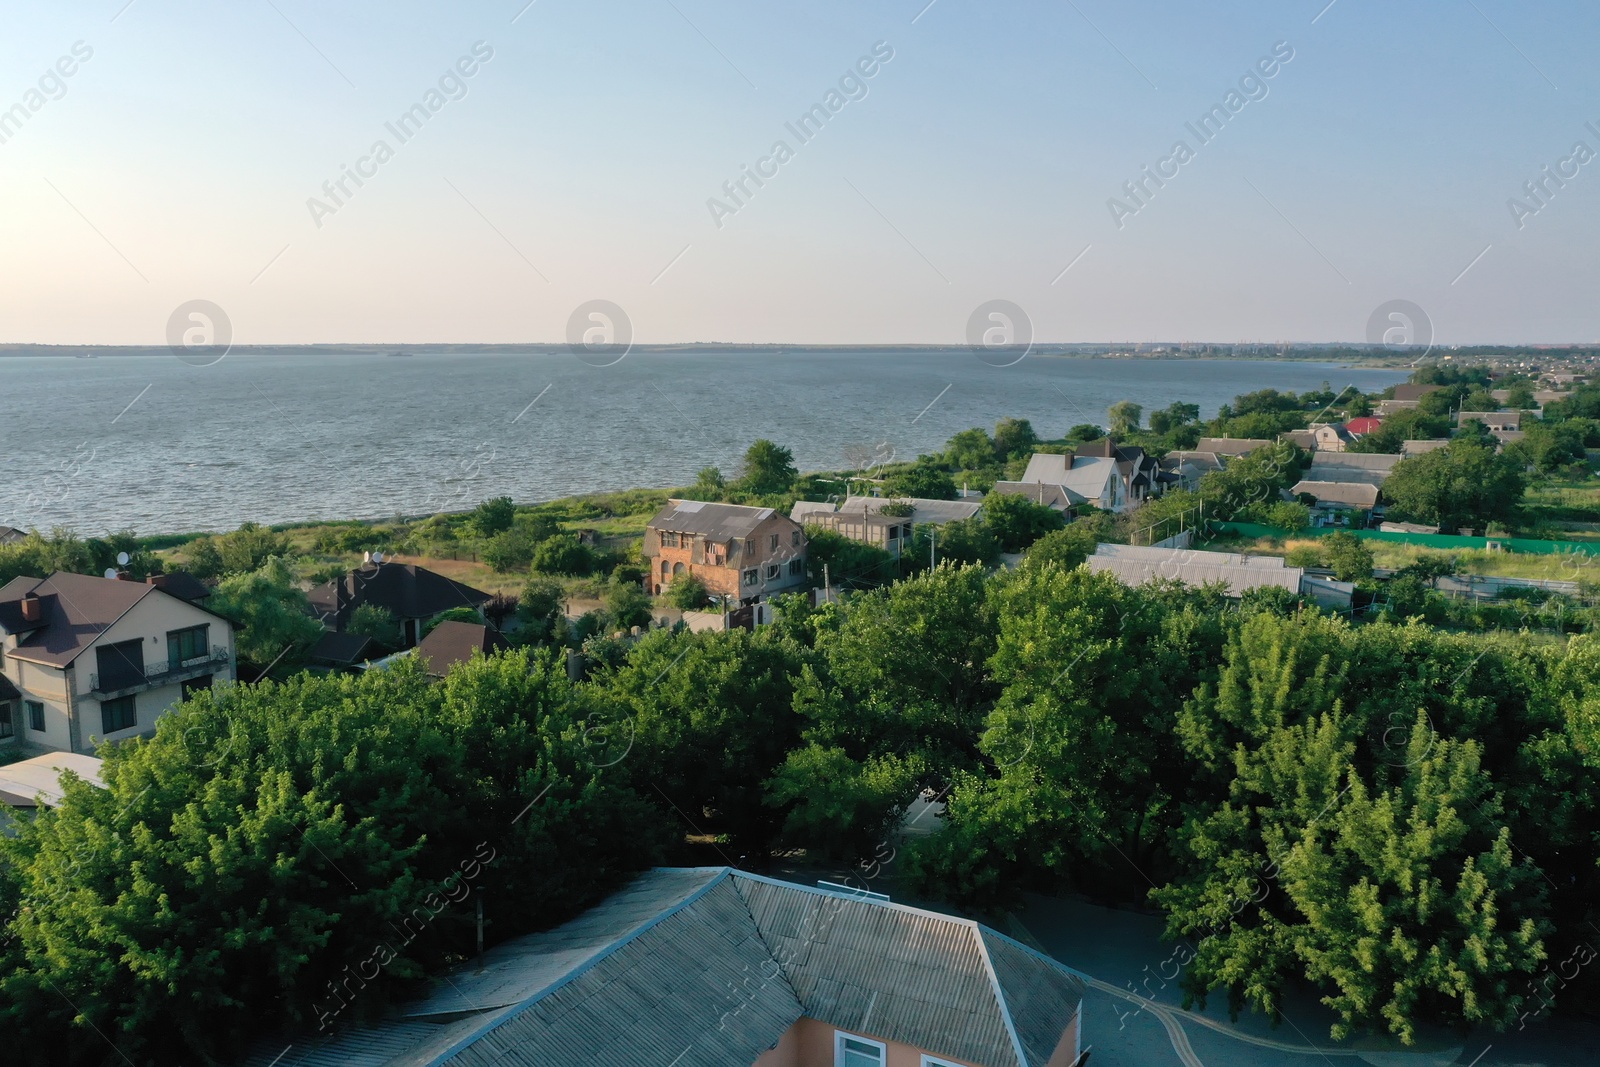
(155, 444)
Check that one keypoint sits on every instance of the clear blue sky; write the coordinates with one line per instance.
(977, 166)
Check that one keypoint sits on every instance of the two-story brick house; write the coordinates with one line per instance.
(742, 554)
(90, 659)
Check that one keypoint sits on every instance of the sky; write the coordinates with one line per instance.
(985, 157)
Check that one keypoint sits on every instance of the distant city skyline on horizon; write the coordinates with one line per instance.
(823, 176)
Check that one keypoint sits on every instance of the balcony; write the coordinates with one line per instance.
(126, 682)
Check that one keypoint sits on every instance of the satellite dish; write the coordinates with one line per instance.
(122, 559)
(111, 572)
(377, 557)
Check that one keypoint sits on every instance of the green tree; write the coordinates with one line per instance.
(1466, 483)
(1018, 522)
(627, 605)
(1173, 416)
(768, 468)
(708, 485)
(970, 450)
(294, 855)
(542, 603)
(961, 541)
(493, 516)
(1013, 437)
(1124, 416)
(1349, 558)
(1085, 431)
(1069, 547)
(711, 718)
(833, 557)
(271, 616)
(687, 593)
(563, 554)
(922, 481)
(376, 623)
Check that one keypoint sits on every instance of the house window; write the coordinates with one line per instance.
(7, 730)
(186, 645)
(121, 664)
(669, 540)
(665, 568)
(852, 1051)
(772, 571)
(794, 538)
(191, 686)
(35, 715)
(796, 567)
(752, 576)
(774, 546)
(750, 546)
(119, 714)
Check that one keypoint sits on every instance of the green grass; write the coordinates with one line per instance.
(1394, 555)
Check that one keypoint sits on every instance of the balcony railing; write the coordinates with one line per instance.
(154, 677)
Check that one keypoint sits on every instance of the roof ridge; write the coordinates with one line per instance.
(1000, 996)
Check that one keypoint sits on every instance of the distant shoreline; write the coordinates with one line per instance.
(1328, 353)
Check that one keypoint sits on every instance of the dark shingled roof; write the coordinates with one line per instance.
(181, 584)
(342, 649)
(453, 642)
(710, 967)
(406, 590)
(75, 610)
(7, 690)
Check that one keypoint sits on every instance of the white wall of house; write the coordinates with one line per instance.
(148, 622)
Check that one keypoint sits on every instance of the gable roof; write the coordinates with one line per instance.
(716, 522)
(453, 642)
(1363, 425)
(407, 590)
(1408, 391)
(11, 535)
(1086, 476)
(1510, 419)
(1416, 448)
(75, 609)
(1356, 494)
(1230, 446)
(710, 967)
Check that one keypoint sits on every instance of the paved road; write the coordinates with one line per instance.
(1133, 1015)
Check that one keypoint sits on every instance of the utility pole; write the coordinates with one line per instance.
(827, 585)
(933, 540)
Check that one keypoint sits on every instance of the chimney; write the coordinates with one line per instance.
(32, 609)
(157, 580)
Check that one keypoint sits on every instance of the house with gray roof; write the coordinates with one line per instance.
(1138, 564)
(868, 520)
(1094, 478)
(1231, 446)
(714, 967)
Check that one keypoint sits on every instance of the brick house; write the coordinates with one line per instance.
(742, 554)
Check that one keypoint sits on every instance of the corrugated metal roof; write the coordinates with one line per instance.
(710, 967)
(1320, 472)
(1088, 476)
(923, 509)
(1372, 461)
(1230, 446)
(1356, 494)
(1138, 564)
(719, 522)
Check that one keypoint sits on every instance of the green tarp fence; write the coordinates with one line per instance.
(1439, 541)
